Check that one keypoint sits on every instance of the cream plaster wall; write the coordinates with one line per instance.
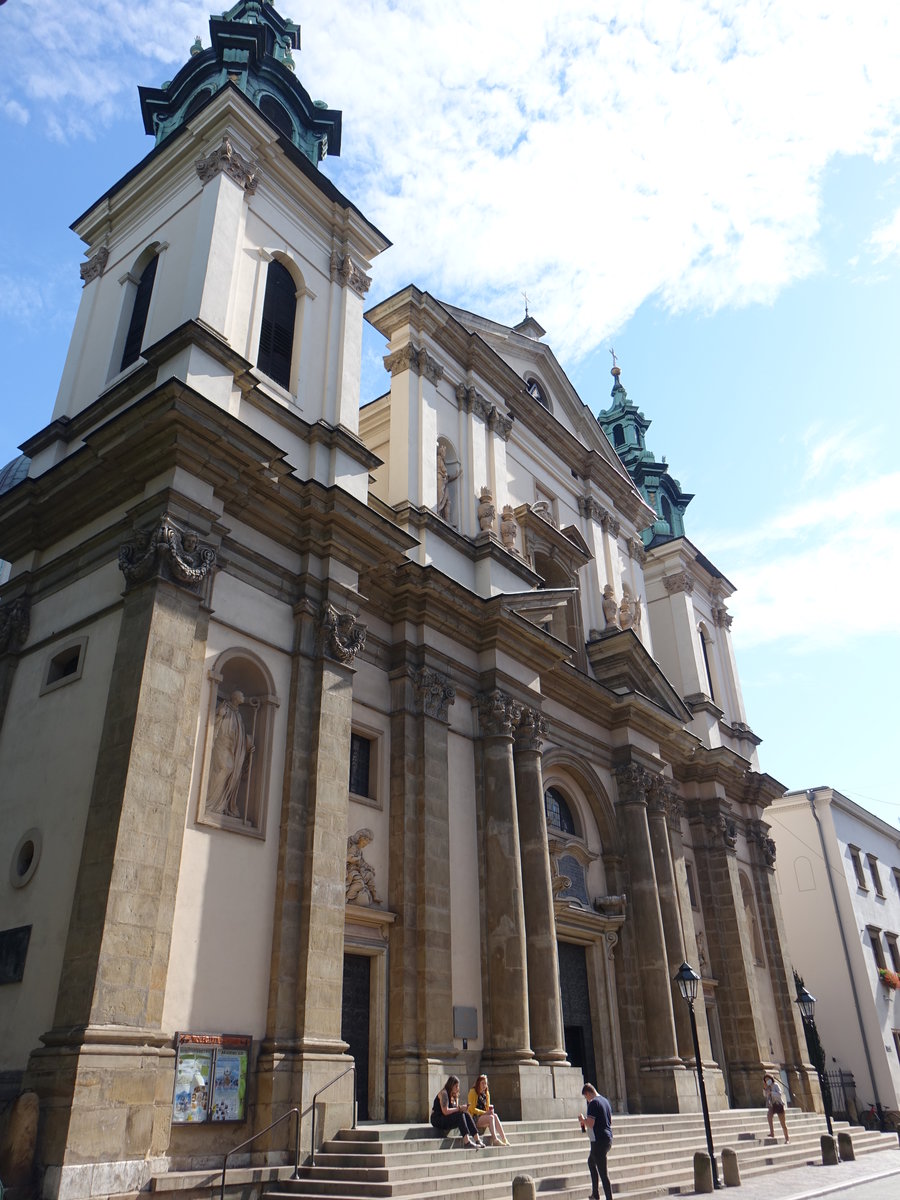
(49, 791)
(222, 931)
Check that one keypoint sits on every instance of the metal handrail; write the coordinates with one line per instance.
(290, 1113)
(324, 1088)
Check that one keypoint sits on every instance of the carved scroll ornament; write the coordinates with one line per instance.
(345, 271)
(342, 636)
(226, 159)
(95, 265)
(498, 713)
(531, 729)
(15, 622)
(169, 551)
(411, 358)
(434, 692)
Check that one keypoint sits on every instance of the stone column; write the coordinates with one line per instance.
(421, 1051)
(544, 1003)
(303, 1048)
(804, 1083)
(730, 952)
(506, 1024)
(659, 1087)
(105, 1073)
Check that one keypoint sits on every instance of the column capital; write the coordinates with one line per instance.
(531, 729)
(434, 693)
(168, 550)
(415, 359)
(498, 713)
(719, 826)
(632, 783)
(15, 622)
(758, 835)
(341, 636)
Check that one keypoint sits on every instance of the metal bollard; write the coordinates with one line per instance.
(730, 1170)
(829, 1151)
(703, 1180)
(523, 1188)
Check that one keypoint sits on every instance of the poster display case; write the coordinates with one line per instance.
(211, 1071)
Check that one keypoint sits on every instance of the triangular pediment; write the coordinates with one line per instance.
(621, 663)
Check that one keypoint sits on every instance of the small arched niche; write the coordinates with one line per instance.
(237, 749)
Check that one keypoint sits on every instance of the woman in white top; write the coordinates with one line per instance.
(775, 1104)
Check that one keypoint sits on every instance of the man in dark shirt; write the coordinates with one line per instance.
(598, 1125)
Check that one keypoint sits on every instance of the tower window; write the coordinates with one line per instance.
(277, 114)
(704, 646)
(276, 337)
(618, 436)
(136, 326)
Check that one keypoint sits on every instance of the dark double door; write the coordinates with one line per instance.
(576, 1007)
(355, 1024)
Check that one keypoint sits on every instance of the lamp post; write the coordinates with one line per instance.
(806, 1002)
(688, 979)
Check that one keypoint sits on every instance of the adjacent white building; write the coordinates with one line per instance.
(838, 871)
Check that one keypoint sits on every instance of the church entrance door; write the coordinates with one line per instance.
(576, 1006)
(355, 1024)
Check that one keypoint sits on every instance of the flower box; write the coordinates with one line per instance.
(890, 979)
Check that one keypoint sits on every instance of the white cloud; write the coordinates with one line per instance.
(15, 111)
(885, 240)
(822, 572)
(596, 154)
(836, 451)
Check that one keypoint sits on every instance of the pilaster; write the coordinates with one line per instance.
(802, 1078)
(104, 1074)
(740, 1011)
(303, 1048)
(663, 1081)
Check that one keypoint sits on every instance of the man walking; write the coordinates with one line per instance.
(598, 1126)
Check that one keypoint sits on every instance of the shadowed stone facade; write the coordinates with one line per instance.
(535, 721)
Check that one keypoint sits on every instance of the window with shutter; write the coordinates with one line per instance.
(138, 322)
(276, 337)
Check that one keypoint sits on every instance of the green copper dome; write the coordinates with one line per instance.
(625, 426)
(252, 47)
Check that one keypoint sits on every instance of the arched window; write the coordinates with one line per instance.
(538, 392)
(138, 322)
(559, 815)
(277, 114)
(618, 436)
(196, 103)
(276, 336)
(667, 513)
(704, 646)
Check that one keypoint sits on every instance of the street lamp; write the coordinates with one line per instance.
(688, 979)
(806, 1002)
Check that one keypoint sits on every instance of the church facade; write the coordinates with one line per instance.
(405, 736)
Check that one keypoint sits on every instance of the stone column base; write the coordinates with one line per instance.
(289, 1078)
(414, 1082)
(106, 1107)
(533, 1091)
(672, 1087)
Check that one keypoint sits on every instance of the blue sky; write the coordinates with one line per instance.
(711, 187)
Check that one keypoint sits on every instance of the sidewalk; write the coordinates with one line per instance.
(803, 1183)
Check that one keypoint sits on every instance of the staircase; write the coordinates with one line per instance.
(651, 1156)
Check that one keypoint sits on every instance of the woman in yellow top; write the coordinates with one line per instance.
(482, 1111)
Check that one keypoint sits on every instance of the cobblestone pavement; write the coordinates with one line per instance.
(870, 1177)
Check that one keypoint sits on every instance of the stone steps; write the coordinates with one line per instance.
(652, 1156)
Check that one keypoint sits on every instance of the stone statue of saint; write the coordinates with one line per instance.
(610, 608)
(230, 751)
(360, 883)
(626, 611)
(445, 477)
(486, 510)
(508, 527)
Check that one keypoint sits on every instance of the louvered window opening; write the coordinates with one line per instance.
(276, 337)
